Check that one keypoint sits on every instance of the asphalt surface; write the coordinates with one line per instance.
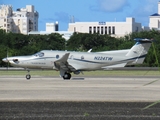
(110, 98)
(78, 111)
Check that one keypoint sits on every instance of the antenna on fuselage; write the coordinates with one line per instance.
(89, 50)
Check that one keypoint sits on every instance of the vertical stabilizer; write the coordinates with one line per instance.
(139, 51)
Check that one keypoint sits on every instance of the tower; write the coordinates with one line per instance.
(154, 19)
(159, 7)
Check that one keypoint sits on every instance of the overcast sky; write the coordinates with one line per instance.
(88, 10)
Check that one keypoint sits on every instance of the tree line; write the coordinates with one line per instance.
(12, 44)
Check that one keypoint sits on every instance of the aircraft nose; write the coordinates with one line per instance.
(4, 60)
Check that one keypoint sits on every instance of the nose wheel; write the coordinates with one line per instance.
(28, 76)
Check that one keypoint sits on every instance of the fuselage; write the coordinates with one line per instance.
(80, 60)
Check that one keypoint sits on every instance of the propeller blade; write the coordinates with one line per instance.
(7, 60)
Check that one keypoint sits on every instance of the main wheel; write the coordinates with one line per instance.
(28, 76)
(67, 76)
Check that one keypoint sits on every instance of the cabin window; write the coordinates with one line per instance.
(82, 57)
(57, 56)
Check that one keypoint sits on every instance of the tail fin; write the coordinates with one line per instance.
(139, 51)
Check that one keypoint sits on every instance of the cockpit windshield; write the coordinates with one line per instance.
(39, 54)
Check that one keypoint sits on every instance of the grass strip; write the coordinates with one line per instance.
(86, 73)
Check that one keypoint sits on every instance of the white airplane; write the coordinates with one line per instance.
(67, 62)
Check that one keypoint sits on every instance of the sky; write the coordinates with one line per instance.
(62, 11)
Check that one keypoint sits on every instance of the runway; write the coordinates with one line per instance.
(115, 89)
(81, 98)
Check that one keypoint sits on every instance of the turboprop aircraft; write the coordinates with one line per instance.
(67, 62)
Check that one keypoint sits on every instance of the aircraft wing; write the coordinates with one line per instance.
(62, 64)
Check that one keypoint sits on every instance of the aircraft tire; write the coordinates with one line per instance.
(67, 76)
(28, 76)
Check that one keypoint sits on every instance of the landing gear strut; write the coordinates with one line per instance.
(28, 76)
(67, 76)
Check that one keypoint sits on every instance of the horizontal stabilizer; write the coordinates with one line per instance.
(143, 40)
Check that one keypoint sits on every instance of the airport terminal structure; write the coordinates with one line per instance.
(116, 29)
(25, 21)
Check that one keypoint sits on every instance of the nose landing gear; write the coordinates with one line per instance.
(28, 76)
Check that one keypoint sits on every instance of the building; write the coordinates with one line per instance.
(116, 29)
(23, 20)
(5, 20)
(52, 28)
(154, 19)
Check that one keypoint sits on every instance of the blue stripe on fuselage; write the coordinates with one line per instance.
(130, 59)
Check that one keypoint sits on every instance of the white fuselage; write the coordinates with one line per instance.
(80, 60)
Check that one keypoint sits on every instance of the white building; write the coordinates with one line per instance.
(116, 29)
(52, 28)
(154, 20)
(21, 21)
(5, 20)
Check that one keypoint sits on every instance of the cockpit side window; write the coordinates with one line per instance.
(39, 54)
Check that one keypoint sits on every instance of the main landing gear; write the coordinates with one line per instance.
(28, 76)
(66, 76)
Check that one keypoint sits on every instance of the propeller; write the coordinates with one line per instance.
(7, 60)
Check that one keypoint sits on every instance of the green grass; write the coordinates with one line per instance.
(90, 73)
(123, 72)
